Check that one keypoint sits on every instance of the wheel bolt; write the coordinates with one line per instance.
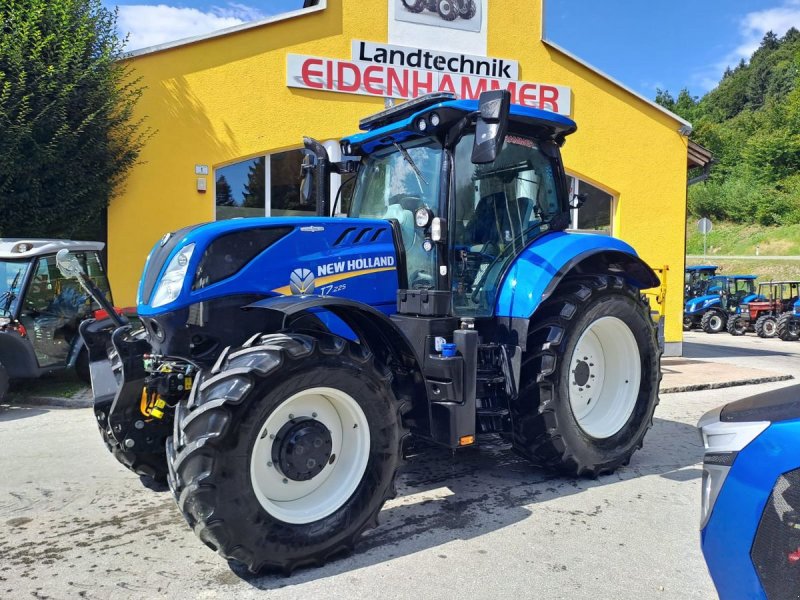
(139, 424)
(285, 480)
(129, 443)
(314, 415)
(269, 464)
(291, 416)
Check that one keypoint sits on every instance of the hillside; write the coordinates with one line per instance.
(751, 123)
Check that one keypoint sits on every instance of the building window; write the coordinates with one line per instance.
(240, 189)
(264, 186)
(597, 212)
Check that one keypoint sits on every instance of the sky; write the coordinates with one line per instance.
(645, 44)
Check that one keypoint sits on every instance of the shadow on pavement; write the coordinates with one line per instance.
(695, 350)
(10, 412)
(483, 489)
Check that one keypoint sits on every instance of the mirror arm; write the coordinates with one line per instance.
(322, 176)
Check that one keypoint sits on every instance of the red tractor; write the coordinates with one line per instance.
(761, 316)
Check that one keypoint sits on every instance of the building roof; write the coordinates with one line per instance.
(698, 156)
(18, 248)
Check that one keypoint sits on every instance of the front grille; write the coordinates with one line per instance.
(776, 549)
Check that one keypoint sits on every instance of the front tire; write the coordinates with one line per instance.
(766, 326)
(590, 378)
(736, 326)
(687, 323)
(446, 10)
(714, 321)
(414, 6)
(467, 9)
(788, 327)
(286, 455)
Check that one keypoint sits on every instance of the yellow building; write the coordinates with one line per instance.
(229, 110)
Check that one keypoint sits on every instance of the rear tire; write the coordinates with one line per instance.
(414, 6)
(766, 326)
(590, 330)
(687, 323)
(468, 9)
(736, 326)
(237, 482)
(714, 321)
(788, 327)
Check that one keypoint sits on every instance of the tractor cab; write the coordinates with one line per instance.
(722, 297)
(40, 309)
(464, 208)
(696, 280)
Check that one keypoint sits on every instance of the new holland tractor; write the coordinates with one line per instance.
(285, 361)
(788, 325)
(722, 297)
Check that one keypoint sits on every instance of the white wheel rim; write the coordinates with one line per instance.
(314, 499)
(769, 327)
(715, 322)
(604, 377)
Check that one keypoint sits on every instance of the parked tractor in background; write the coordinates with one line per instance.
(284, 361)
(696, 280)
(788, 326)
(40, 310)
(762, 316)
(723, 295)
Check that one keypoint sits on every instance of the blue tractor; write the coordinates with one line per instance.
(788, 325)
(722, 296)
(285, 361)
(696, 279)
(750, 517)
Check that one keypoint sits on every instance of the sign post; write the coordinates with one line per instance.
(704, 226)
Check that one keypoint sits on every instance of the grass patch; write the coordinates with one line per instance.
(62, 384)
(742, 239)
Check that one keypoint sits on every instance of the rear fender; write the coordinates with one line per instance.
(541, 267)
(371, 328)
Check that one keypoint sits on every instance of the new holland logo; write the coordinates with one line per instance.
(301, 282)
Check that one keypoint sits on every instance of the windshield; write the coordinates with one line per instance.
(12, 276)
(499, 208)
(392, 184)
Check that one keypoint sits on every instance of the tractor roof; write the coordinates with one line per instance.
(398, 122)
(13, 248)
(702, 268)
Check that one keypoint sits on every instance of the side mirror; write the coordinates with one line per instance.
(490, 131)
(68, 264)
(307, 177)
(578, 200)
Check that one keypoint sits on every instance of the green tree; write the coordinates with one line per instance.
(224, 194)
(67, 131)
(254, 193)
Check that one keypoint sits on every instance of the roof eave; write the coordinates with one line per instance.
(686, 127)
(227, 31)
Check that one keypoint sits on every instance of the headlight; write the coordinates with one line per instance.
(722, 443)
(171, 282)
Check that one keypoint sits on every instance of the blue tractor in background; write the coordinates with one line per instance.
(722, 296)
(696, 279)
(750, 516)
(284, 361)
(788, 325)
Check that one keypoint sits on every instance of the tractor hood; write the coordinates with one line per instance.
(268, 257)
(701, 303)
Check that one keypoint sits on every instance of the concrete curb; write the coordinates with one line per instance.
(695, 387)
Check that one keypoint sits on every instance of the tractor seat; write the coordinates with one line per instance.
(497, 221)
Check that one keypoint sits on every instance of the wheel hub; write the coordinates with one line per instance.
(582, 373)
(302, 448)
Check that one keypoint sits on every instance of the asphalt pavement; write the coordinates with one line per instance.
(482, 523)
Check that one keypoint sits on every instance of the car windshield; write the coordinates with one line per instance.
(12, 276)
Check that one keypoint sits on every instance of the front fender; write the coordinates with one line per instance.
(537, 271)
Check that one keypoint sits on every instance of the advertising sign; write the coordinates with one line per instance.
(402, 72)
(453, 14)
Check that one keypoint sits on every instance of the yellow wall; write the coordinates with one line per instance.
(224, 99)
